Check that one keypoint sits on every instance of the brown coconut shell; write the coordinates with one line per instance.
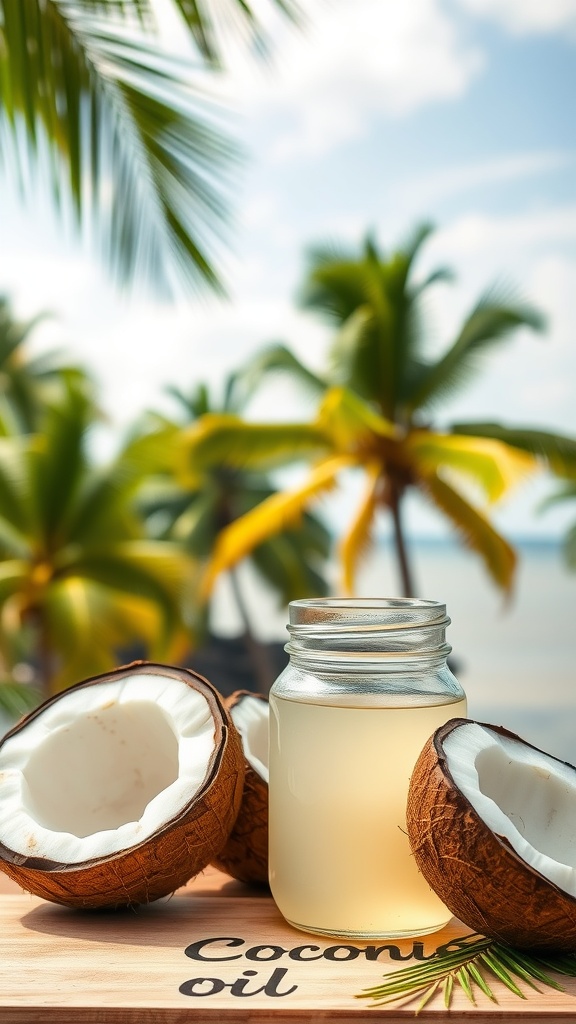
(475, 872)
(245, 854)
(172, 855)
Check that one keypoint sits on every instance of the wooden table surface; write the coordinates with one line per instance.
(216, 951)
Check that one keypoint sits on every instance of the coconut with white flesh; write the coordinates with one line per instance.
(492, 826)
(245, 855)
(120, 789)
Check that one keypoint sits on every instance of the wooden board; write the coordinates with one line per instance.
(147, 967)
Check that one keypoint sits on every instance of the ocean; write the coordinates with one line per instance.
(515, 659)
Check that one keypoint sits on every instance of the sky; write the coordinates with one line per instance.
(378, 116)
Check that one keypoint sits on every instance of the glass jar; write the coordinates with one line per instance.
(367, 684)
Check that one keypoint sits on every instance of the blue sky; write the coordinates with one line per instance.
(380, 115)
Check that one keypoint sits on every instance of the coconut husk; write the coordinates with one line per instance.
(169, 857)
(245, 854)
(475, 872)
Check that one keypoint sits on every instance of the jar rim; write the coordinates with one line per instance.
(366, 613)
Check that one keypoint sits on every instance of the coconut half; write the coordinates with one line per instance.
(120, 789)
(492, 825)
(245, 855)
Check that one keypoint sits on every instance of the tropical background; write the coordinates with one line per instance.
(287, 310)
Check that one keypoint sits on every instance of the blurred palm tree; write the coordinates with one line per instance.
(192, 501)
(379, 393)
(79, 578)
(131, 143)
(24, 380)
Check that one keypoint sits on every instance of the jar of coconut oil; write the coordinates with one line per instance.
(366, 686)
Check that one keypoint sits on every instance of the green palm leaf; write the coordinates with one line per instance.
(278, 359)
(475, 530)
(490, 322)
(125, 135)
(556, 451)
(129, 144)
(15, 512)
(154, 570)
(467, 967)
(16, 699)
(209, 23)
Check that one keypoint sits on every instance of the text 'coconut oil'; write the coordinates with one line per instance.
(366, 686)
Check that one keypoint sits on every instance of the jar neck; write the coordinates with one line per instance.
(368, 635)
(368, 653)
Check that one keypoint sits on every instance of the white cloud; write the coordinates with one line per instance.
(477, 233)
(527, 16)
(356, 61)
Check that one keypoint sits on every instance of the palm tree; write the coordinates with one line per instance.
(379, 393)
(192, 504)
(130, 141)
(79, 578)
(24, 380)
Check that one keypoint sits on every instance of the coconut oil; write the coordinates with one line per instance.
(346, 728)
(339, 854)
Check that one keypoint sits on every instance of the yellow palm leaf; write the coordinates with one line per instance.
(270, 517)
(495, 466)
(358, 537)
(349, 421)
(476, 531)
(222, 439)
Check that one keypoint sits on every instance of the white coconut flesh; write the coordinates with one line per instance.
(251, 718)
(104, 767)
(520, 793)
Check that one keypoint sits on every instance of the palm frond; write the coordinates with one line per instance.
(125, 133)
(357, 538)
(495, 466)
(350, 422)
(335, 284)
(556, 451)
(14, 506)
(210, 24)
(198, 523)
(491, 321)
(227, 440)
(157, 570)
(441, 275)
(90, 623)
(17, 698)
(280, 561)
(351, 355)
(474, 529)
(270, 517)
(58, 464)
(278, 359)
(468, 968)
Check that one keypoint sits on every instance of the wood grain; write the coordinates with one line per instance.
(59, 965)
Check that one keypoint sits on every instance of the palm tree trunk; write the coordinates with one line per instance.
(264, 673)
(396, 492)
